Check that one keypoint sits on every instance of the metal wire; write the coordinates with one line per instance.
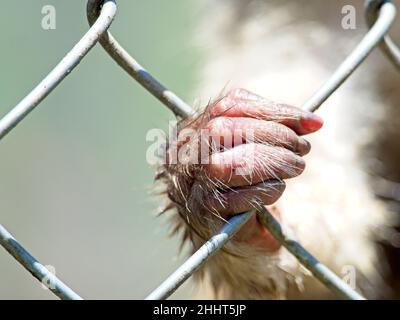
(387, 13)
(380, 15)
(7, 123)
(320, 271)
(199, 258)
(387, 45)
(67, 64)
(385, 19)
(133, 68)
(39, 271)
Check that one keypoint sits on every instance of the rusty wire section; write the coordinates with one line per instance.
(380, 15)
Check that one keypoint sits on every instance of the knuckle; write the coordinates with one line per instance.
(284, 132)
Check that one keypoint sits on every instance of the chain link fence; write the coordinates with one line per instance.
(380, 14)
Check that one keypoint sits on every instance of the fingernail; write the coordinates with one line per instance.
(304, 146)
(311, 122)
(300, 164)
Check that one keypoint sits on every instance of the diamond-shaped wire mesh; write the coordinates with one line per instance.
(380, 16)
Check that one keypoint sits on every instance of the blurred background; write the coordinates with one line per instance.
(75, 186)
(76, 189)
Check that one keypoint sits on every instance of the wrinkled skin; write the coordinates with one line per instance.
(276, 146)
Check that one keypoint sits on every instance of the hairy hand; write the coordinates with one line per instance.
(240, 148)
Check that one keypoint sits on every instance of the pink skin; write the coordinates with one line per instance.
(278, 144)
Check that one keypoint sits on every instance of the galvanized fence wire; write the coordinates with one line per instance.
(66, 65)
(386, 45)
(135, 70)
(387, 14)
(39, 271)
(200, 257)
(100, 13)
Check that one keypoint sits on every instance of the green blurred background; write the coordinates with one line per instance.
(75, 186)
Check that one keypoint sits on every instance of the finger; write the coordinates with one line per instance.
(252, 163)
(233, 131)
(242, 103)
(241, 199)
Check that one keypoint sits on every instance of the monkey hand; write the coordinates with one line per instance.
(241, 148)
